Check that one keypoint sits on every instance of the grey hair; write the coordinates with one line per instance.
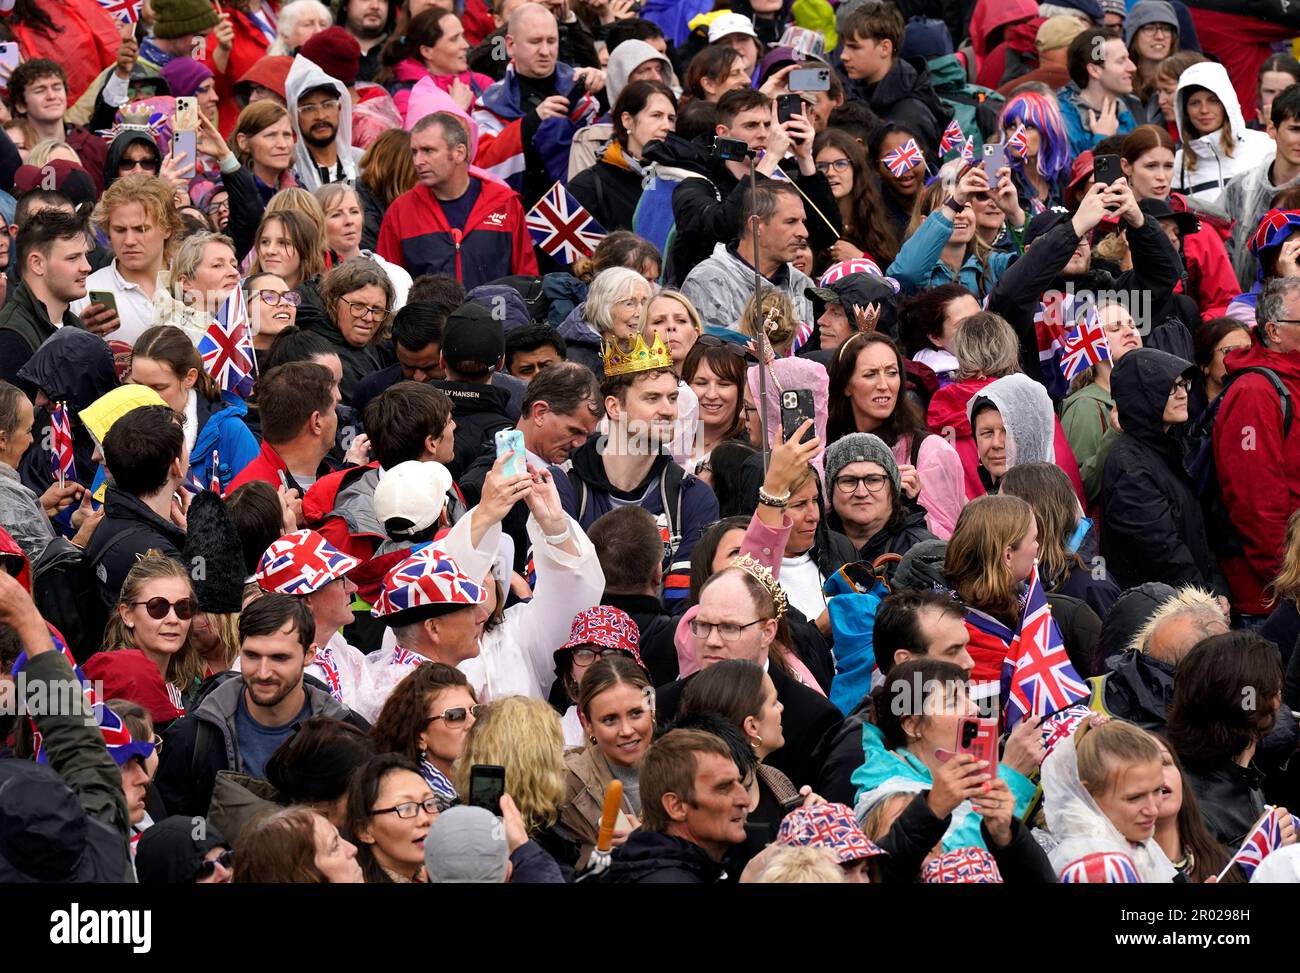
(1189, 601)
(190, 253)
(762, 201)
(1269, 307)
(352, 275)
(291, 12)
(610, 285)
(985, 345)
(453, 129)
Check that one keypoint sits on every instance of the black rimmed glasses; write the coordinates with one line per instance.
(410, 809)
(848, 485)
(360, 310)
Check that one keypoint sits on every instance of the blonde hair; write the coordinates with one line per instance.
(155, 198)
(523, 735)
(225, 626)
(681, 299)
(758, 308)
(185, 666)
(873, 825)
(295, 199)
(985, 346)
(1103, 751)
(929, 200)
(1189, 600)
(40, 153)
(796, 865)
(1287, 583)
(973, 562)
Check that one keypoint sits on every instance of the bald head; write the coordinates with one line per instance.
(533, 41)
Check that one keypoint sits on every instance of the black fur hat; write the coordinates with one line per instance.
(213, 555)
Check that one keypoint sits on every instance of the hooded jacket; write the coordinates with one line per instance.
(304, 76)
(720, 286)
(185, 778)
(1262, 488)
(1214, 167)
(1074, 113)
(169, 853)
(989, 23)
(1152, 525)
(949, 411)
(589, 143)
(652, 858)
(906, 97)
(117, 148)
(1027, 416)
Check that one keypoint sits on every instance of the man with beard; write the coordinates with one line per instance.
(248, 714)
(371, 23)
(631, 464)
(320, 108)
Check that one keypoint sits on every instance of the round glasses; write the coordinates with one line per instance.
(874, 482)
(292, 298)
(360, 310)
(410, 809)
(457, 714)
(159, 607)
(839, 165)
(585, 657)
(320, 107)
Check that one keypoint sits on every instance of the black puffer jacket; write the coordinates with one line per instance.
(906, 96)
(480, 411)
(651, 858)
(1152, 525)
(608, 191)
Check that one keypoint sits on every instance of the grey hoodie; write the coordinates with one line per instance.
(1027, 415)
(721, 285)
(304, 75)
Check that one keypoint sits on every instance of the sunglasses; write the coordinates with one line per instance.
(457, 714)
(130, 165)
(226, 860)
(159, 607)
(731, 347)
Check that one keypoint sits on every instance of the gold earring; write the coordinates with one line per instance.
(592, 738)
(756, 742)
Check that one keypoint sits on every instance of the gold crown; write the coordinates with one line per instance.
(760, 573)
(638, 358)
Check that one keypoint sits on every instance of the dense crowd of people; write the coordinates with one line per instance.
(636, 442)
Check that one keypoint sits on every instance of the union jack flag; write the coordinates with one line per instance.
(857, 265)
(1059, 726)
(405, 657)
(905, 157)
(562, 228)
(968, 149)
(1264, 839)
(123, 11)
(227, 347)
(1084, 345)
(966, 865)
(215, 484)
(952, 137)
(1102, 868)
(63, 463)
(330, 668)
(1055, 310)
(1037, 675)
(116, 736)
(1275, 226)
(1018, 143)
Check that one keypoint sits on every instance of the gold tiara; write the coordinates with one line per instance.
(760, 573)
(638, 358)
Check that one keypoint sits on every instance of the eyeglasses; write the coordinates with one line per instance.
(632, 303)
(218, 206)
(129, 165)
(457, 714)
(359, 310)
(1156, 29)
(292, 298)
(1183, 384)
(729, 632)
(839, 165)
(410, 809)
(320, 107)
(226, 860)
(1285, 321)
(585, 657)
(874, 482)
(159, 607)
(157, 744)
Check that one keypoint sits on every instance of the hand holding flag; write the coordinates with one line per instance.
(227, 347)
(63, 462)
(1268, 835)
(1037, 675)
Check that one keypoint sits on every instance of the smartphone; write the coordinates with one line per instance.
(788, 106)
(979, 737)
(995, 157)
(512, 439)
(186, 144)
(809, 79)
(1105, 168)
(106, 298)
(576, 92)
(187, 115)
(486, 785)
(9, 55)
(796, 406)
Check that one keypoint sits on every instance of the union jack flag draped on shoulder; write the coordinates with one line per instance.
(562, 228)
(1037, 675)
(227, 347)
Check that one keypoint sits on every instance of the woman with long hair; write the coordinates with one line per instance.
(165, 359)
(1213, 340)
(295, 845)
(1180, 830)
(1147, 159)
(288, 245)
(714, 71)
(427, 718)
(927, 323)
(867, 229)
(988, 560)
(386, 171)
(610, 190)
(1216, 144)
(152, 619)
(1067, 540)
(262, 142)
(714, 371)
(868, 394)
(432, 45)
(1167, 74)
(616, 706)
(1041, 174)
(899, 193)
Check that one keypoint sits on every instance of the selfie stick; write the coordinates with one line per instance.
(600, 856)
(752, 158)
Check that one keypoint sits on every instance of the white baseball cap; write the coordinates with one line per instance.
(410, 497)
(731, 24)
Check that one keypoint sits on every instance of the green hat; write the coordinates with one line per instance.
(176, 18)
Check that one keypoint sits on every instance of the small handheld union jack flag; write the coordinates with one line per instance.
(1018, 143)
(227, 347)
(562, 228)
(953, 137)
(1084, 345)
(1264, 839)
(906, 156)
(63, 463)
(123, 11)
(1037, 676)
(968, 149)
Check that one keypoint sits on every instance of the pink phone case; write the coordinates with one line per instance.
(979, 737)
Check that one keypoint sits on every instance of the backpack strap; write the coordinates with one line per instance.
(1283, 394)
(670, 497)
(134, 530)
